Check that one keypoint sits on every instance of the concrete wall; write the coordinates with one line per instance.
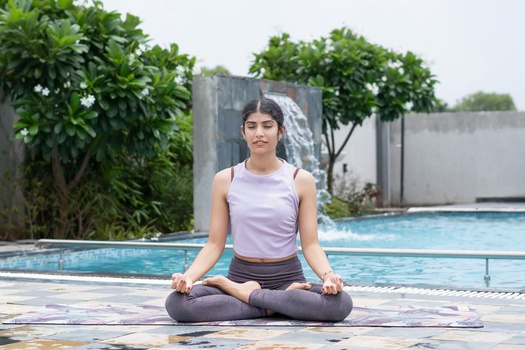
(11, 167)
(458, 157)
(217, 103)
(450, 158)
(359, 154)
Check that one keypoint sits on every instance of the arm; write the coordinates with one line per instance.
(214, 247)
(313, 253)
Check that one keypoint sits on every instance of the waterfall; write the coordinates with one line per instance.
(299, 145)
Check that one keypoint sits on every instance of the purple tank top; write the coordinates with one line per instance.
(263, 212)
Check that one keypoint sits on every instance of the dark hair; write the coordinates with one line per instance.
(264, 106)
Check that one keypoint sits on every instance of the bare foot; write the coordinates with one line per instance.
(240, 291)
(298, 285)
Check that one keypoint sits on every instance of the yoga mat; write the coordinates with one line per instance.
(381, 316)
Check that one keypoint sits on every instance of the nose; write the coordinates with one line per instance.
(259, 131)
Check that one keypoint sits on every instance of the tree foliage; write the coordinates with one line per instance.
(88, 88)
(484, 102)
(216, 70)
(358, 79)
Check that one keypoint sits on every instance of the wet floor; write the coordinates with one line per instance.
(503, 316)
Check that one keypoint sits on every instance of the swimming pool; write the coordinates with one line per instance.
(495, 231)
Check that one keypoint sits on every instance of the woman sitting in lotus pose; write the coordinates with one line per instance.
(266, 202)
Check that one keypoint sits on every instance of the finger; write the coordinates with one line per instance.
(334, 288)
(180, 285)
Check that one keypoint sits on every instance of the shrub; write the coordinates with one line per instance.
(97, 107)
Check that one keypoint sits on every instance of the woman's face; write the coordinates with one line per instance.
(261, 133)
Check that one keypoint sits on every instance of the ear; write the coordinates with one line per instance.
(242, 132)
(280, 134)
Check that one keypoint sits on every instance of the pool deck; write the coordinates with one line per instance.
(503, 316)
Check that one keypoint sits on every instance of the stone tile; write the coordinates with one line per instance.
(101, 346)
(17, 309)
(80, 296)
(157, 302)
(125, 298)
(248, 333)
(346, 331)
(508, 347)
(374, 342)
(70, 288)
(451, 345)
(406, 332)
(500, 327)
(12, 292)
(512, 309)
(486, 309)
(145, 339)
(112, 290)
(88, 335)
(340, 330)
(185, 331)
(518, 339)
(5, 299)
(131, 328)
(40, 301)
(505, 318)
(34, 293)
(4, 285)
(44, 344)
(23, 333)
(152, 293)
(305, 337)
(198, 343)
(6, 340)
(5, 317)
(475, 336)
(282, 345)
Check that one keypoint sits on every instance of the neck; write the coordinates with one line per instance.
(263, 165)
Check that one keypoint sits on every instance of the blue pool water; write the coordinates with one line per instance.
(437, 231)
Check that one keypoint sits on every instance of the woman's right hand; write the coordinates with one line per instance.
(333, 284)
(181, 283)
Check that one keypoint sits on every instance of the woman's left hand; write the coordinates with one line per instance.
(333, 284)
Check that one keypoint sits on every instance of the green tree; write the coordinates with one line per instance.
(484, 102)
(358, 79)
(216, 70)
(440, 106)
(87, 87)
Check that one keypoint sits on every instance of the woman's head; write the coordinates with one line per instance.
(264, 106)
(262, 125)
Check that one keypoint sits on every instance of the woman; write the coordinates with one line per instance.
(266, 202)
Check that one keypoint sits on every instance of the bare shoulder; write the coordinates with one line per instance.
(304, 175)
(223, 178)
(304, 182)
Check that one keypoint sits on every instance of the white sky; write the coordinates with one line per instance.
(470, 45)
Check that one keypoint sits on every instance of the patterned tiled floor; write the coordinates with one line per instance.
(504, 321)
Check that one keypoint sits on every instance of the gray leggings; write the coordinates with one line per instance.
(208, 303)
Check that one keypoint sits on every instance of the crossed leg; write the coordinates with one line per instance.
(240, 291)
